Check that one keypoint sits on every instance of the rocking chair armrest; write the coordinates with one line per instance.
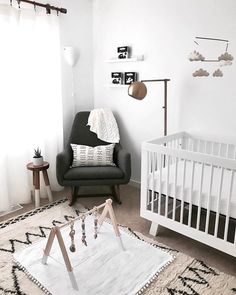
(123, 161)
(63, 163)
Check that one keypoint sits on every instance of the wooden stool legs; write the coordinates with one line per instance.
(36, 184)
(36, 181)
(37, 188)
(47, 185)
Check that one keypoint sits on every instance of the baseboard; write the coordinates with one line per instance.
(134, 183)
(11, 210)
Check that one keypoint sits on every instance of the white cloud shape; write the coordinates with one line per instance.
(225, 56)
(226, 63)
(218, 73)
(200, 73)
(196, 56)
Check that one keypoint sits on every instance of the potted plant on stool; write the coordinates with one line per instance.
(37, 158)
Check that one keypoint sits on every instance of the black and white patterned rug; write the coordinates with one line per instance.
(185, 275)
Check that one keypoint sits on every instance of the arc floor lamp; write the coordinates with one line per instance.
(138, 90)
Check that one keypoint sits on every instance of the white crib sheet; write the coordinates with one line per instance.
(205, 186)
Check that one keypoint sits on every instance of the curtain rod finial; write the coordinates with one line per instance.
(63, 10)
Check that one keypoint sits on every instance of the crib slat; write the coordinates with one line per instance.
(200, 196)
(218, 202)
(149, 178)
(198, 145)
(193, 144)
(227, 151)
(175, 188)
(156, 167)
(228, 206)
(167, 185)
(205, 147)
(148, 175)
(190, 144)
(220, 147)
(212, 148)
(179, 143)
(186, 140)
(209, 199)
(173, 144)
(160, 186)
(182, 194)
(153, 182)
(191, 194)
(184, 143)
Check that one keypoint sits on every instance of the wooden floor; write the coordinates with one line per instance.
(128, 214)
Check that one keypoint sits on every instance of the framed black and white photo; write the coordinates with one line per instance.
(130, 77)
(117, 78)
(123, 52)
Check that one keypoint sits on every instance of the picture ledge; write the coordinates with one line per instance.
(131, 59)
(116, 85)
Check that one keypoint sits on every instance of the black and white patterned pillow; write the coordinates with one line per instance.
(84, 155)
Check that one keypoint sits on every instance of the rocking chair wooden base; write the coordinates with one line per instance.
(115, 193)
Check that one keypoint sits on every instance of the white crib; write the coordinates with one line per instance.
(188, 185)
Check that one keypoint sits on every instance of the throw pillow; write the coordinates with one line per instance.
(84, 155)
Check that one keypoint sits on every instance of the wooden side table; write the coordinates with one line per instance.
(36, 181)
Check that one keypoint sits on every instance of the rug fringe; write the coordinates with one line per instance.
(135, 236)
(21, 217)
(32, 278)
(153, 278)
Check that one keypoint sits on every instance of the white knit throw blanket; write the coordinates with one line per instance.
(103, 123)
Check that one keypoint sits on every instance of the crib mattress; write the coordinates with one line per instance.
(185, 194)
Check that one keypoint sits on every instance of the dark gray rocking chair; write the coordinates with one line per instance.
(95, 175)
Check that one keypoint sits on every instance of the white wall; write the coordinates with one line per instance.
(164, 32)
(76, 31)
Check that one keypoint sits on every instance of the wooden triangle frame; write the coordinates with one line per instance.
(56, 232)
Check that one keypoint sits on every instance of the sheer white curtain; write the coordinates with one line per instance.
(30, 98)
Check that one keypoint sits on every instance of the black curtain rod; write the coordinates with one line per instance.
(47, 6)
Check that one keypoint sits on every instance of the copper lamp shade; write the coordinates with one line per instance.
(137, 90)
